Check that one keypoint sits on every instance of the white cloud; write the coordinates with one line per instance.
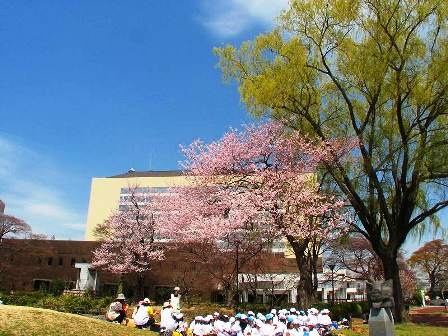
(53, 211)
(77, 227)
(228, 18)
(33, 189)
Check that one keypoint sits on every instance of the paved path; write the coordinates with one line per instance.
(433, 315)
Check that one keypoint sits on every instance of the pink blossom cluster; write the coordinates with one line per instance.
(260, 179)
(129, 240)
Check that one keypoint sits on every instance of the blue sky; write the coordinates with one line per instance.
(92, 88)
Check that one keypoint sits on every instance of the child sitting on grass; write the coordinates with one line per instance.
(117, 310)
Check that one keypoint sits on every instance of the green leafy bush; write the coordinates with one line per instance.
(344, 309)
(205, 309)
(89, 304)
(66, 303)
(339, 310)
(57, 287)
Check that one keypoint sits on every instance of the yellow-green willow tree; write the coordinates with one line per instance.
(375, 71)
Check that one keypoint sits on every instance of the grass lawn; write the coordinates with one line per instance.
(15, 320)
(405, 329)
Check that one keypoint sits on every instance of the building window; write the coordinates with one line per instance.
(278, 246)
(41, 285)
(50, 261)
(73, 262)
(217, 297)
(109, 289)
(123, 207)
(70, 284)
(162, 293)
(61, 261)
(142, 195)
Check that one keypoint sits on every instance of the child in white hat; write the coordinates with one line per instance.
(323, 318)
(175, 299)
(143, 315)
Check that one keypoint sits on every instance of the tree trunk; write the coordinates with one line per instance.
(120, 287)
(432, 284)
(305, 291)
(229, 294)
(140, 285)
(228, 291)
(391, 271)
(314, 263)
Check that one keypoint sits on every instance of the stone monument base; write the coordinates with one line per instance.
(381, 322)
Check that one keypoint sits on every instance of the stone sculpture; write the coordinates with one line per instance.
(380, 296)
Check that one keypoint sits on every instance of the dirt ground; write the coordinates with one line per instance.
(436, 316)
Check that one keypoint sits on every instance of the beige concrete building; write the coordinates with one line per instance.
(106, 193)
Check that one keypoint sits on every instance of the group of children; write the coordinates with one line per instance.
(276, 323)
(143, 314)
(292, 322)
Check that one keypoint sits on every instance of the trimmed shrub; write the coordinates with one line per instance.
(65, 303)
(338, 311)
(205, 309)
(344, 309)
(89, 304)
(57, 287)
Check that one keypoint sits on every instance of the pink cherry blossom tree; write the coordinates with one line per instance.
(128, 238)
(262, 180)
(222, 261)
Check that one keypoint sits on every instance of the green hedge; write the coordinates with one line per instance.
(89, 304)
(66, 303)
(355, 309)
(204, 309)
(345, 309)
(338, 311)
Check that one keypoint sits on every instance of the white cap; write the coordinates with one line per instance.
(262, 318)
(232, 319)
(179, 316)
(215, 314)
(259, 323)
(313, 311)
(325, 311)
(176, 288)
(198, 318)
(146, 300)
(243, 316)
(274, 311)
(293, 310)
(250, 312)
